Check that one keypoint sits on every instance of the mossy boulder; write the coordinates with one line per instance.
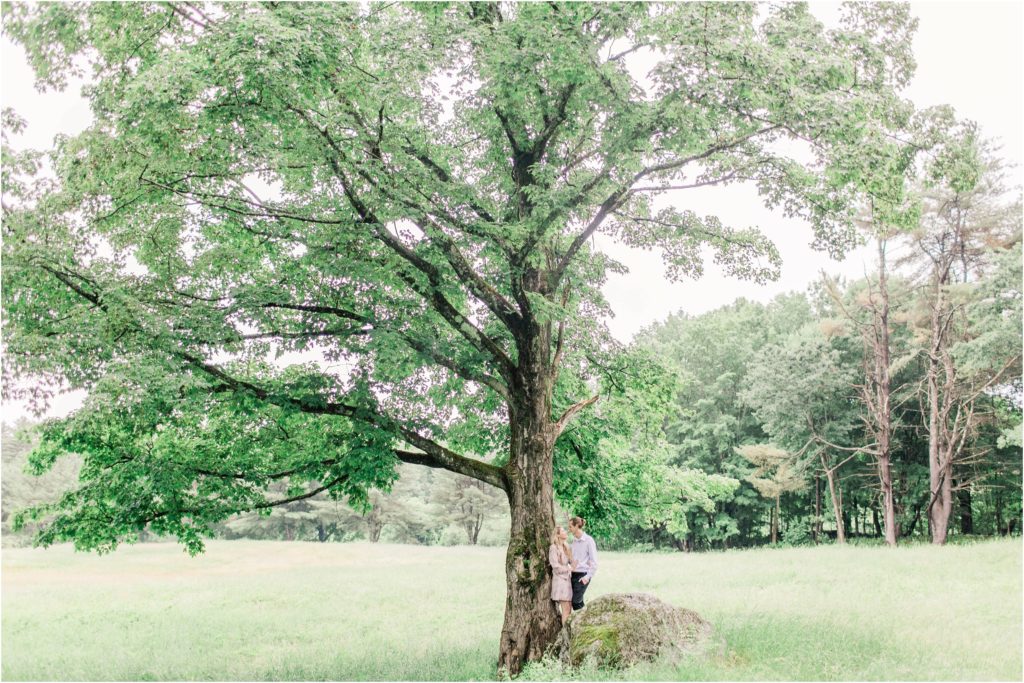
(622, 629)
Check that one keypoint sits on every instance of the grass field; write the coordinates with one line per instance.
(291, 611)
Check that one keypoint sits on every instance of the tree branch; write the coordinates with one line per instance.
(571, 411)
(432, 294)
(613, 200)
(440, 455)
(477, 469)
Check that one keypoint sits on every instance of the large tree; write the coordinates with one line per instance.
(969, 219)
(410, 191)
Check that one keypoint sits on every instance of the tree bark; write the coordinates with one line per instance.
(474, 532)
(888, 500)
(373, 529)
(531, 623)
(940, 507)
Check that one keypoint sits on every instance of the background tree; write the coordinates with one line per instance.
(993, 327)
(711, 354)
(467, 503)
(697, 494)
(874, 313)
(776, 472)
(964, 218)
(884, 175)
(290, 177)
(800, 390)
(318, 518)
(23, 487)
(612, 464)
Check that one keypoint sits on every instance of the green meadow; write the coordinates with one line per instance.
(248, 610)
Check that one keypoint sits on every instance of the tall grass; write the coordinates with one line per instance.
(301, 611)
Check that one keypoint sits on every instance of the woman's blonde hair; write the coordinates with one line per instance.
(555, 540)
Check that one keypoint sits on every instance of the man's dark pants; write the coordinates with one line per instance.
(578, 589)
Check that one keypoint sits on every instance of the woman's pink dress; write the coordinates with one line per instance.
(561, 586)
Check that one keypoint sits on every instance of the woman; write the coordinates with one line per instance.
(560, 557)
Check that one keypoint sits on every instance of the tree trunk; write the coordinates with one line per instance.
(531, 622)
(816, 531)
(373, 528)
(478, 524)
(775, 520)
(836, 494)
(999, 515)
(940, 507)
(888, 500)
(913, 522)
(940, 465)
(884, 403)
(966, 513)
(901, 485)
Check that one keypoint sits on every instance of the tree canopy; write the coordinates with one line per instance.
(272, 177)
(408, 192)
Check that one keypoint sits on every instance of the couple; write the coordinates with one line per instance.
(572, 567)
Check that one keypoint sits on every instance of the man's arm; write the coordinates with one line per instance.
(592, 551)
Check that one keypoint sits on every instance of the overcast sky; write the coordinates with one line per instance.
(969, 55)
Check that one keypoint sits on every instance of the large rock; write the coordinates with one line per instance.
(621, 629)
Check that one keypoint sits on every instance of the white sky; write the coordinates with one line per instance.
(969, 55)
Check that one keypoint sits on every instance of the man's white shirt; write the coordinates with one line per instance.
(584, 552)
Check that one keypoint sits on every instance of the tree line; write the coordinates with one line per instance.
(888, 406)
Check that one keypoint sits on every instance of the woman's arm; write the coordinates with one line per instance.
(554, 559)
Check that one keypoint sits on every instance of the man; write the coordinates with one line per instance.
(584, 554)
